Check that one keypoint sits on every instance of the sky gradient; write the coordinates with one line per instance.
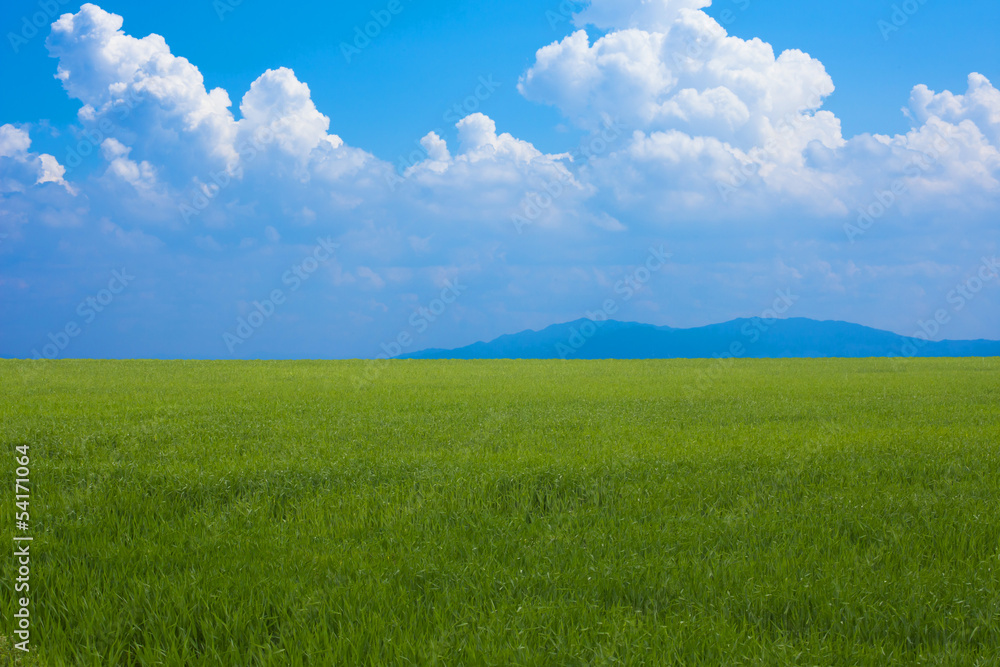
(253, 180)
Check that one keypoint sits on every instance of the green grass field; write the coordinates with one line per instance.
(801, 512)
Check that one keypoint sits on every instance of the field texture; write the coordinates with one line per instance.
(812, 512)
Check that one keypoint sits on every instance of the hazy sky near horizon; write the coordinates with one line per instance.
(249, 179)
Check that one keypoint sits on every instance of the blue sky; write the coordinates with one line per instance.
(748, 138)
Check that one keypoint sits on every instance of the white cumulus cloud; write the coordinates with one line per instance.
(20, 168)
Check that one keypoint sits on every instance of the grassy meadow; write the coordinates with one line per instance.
(773, 512)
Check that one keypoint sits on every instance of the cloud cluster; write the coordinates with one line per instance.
(687, 75)
(167, 134)
(156, 101)
(725, 128)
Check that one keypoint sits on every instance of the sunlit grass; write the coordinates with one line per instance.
(781, 512)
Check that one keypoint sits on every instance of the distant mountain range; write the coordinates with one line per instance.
(748, 338)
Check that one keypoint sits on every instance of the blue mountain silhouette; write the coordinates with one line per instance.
(746, 338)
